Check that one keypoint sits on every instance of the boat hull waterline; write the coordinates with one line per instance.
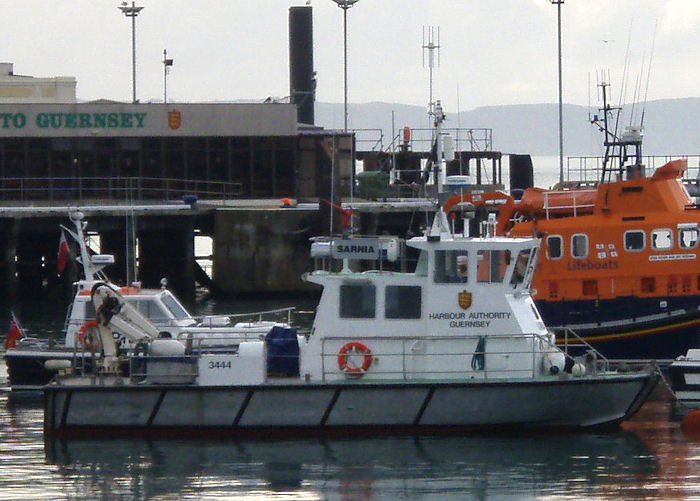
(292, 409)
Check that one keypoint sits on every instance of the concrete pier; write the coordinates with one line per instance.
(263, 251)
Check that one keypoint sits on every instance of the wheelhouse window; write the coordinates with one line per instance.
(555, 247)
(422, 265)
(451, 266)
(491, 265)
(520, 269)
(661, 239)
(175, 307)
(635, 240)
(403, 301)
(579, 246)
(151, 310)
(357, 301)
(688, 238)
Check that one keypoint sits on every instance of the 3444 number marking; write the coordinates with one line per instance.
(226, 364)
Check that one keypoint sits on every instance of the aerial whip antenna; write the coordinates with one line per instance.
(651, 57)
(431, 48)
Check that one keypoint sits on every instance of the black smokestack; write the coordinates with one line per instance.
(302, 81)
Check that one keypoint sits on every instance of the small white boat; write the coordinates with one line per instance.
(33, 362)
(684, 376)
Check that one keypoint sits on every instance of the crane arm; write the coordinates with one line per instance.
(116, 318)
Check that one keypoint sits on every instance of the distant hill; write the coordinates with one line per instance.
(672, 126)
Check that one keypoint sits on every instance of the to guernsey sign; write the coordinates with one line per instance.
(109, 119)
(75, 120)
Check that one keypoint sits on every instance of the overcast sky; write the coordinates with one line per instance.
(493, 51)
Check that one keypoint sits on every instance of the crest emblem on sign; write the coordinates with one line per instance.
(464, 299)
(174, 119)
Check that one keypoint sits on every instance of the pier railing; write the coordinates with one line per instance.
(79, 189)
(587, 170)
(421, 139)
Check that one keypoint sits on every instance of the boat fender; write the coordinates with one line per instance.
(167, 348)
(578, 370)
(57, 365)
(354, 348)
(553, 362)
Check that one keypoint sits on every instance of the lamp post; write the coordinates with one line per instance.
(559, 3)
(345, 5)
(167, 63)
(132, 11)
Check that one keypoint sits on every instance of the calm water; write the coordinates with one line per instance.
(649, 458)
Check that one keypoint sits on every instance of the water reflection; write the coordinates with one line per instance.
(377, 468)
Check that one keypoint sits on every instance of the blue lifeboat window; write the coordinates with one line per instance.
(635, 240)
(688, 238)
(555, 247)
(579, 246)
(661, 239)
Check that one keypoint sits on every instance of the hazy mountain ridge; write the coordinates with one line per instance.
(671, 126)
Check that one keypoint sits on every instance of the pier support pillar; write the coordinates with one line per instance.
(9, 229)
(30, 266)
(263, 250)
(166, 250)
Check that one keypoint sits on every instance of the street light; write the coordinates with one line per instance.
(132, 11)
(559, 3)
(345, 5)
(167, 63)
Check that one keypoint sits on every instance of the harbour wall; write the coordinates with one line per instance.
(256, 250)
(263, 250)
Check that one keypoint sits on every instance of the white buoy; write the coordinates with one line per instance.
(578, 370)
(554, 362)
(167, 348)
(57, 365)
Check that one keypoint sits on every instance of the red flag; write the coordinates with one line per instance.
(345, 214)
(14, 334)
(63, 252)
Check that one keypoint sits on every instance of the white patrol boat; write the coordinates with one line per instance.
(455, 345)
(684, 376)
(33, 362)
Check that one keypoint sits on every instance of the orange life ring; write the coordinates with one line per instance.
(350, 348)
(82, 339)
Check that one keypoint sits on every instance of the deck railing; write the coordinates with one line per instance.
(592, 360)
(576, 206)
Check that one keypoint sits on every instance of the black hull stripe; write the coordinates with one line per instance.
(424, 406)
(156, 408)
(244, 406)
(329, 409)
(66, 406)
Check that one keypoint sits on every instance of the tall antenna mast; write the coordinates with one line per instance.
(431, 48)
